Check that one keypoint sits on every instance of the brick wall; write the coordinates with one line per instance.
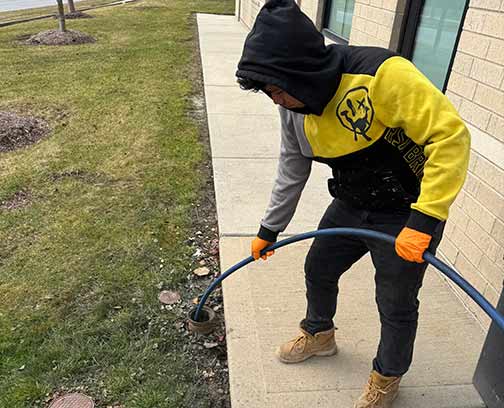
(248, 11)
(250, 8)
(372, 22)
(474, 238)
(310, 8)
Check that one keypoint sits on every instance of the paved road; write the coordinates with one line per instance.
(10, 5)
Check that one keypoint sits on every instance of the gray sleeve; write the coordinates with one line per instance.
(293, 172)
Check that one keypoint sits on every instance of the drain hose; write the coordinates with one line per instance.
(363, 233)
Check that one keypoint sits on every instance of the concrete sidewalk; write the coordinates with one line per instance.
(265, 301)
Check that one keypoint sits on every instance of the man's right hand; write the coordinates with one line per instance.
(258, 245)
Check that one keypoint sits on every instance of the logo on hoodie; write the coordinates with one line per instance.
(355, 112)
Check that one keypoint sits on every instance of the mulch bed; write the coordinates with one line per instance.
(56, 37)
(20, 131)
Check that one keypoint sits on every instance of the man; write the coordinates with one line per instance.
(399, 154)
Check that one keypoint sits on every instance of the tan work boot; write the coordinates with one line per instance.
(305, 346)
(380, 391)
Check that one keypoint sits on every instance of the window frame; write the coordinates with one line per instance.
(325, 22)
(409, 30)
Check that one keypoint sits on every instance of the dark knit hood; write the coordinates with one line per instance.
(285, 49)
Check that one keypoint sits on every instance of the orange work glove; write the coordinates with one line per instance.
(258, 245)
(410, 244)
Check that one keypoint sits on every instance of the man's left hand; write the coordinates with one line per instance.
(411, 244)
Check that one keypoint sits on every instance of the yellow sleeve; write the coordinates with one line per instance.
(403, 97)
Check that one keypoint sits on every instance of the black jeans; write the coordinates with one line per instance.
(397, 281)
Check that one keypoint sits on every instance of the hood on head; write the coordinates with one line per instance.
(285, 49)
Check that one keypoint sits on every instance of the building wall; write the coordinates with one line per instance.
(474, 239)
(310, 8)
(373, 22)
(248, 11)
(474, 236)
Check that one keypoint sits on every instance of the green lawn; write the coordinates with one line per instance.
(111, 195)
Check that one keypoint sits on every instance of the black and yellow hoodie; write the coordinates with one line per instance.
(392, 139)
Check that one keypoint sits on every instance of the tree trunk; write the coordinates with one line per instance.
(71, 6)
(61, 16)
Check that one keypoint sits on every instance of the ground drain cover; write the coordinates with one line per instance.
(73, 401)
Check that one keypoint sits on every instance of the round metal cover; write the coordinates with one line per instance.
(74, 400)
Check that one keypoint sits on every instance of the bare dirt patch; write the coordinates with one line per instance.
(56, 37)
(78, 174)
(55, 115)
(19, 131)
(19, 199)
(77, 14)
(141, 8)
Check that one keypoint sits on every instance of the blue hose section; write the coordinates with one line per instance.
(363, 233)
